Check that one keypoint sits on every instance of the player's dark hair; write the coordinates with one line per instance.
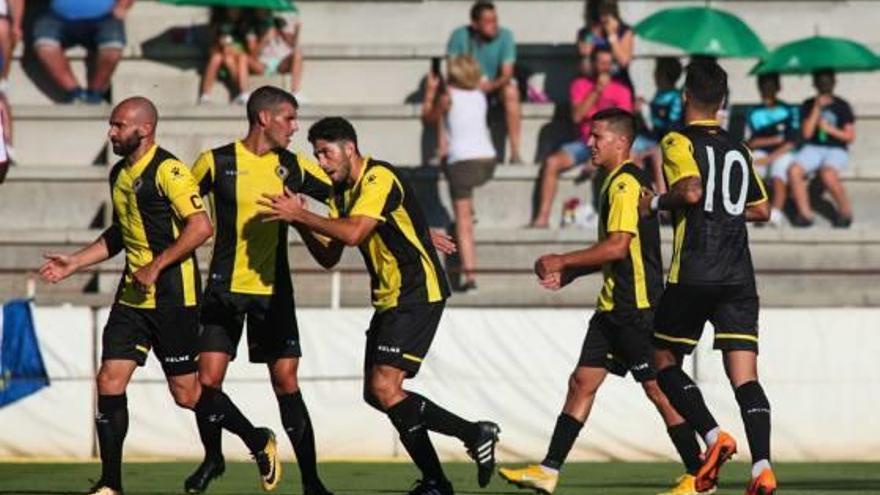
(668, 71)
(619, 120)
(594, 55)
(479, 7)
(705, 84)
(334, 130)
(267, 98)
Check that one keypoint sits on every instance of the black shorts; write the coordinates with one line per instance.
(401, 336)
(130, 333)
(684, 310)
(620, 341)
(272, 331)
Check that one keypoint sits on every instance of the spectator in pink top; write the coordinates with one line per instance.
(588, 95)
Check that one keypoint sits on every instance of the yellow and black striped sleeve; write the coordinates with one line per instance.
(757, 193)
(379, 194)
(623, 207)
(176, 183)
(678, 158)
(306, 176)
(203, 172)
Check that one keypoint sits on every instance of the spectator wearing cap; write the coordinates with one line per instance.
(773, 128)
(828, 128)
(494, 48)
(97, 25)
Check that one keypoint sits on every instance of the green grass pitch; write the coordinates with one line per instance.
(616, 478)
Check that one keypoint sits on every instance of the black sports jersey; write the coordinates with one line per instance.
(250, 256)
(151, 199)
(711, 242)
(635, 282)
(399, 254)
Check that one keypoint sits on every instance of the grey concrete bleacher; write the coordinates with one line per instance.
(795, 268)
(365, 60)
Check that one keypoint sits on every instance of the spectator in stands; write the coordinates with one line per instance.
(96, 25)
(828, 127)
(11, 15)
(604, 29)
(666, 115)
(774, 130)
(471, 158)
(274, 48)
(495, 49)
(588, 95)
(230, 30)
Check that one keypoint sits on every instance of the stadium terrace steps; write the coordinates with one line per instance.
(64, 197)
(77, 197)
(794, 268)
(164, 53)
(391, 132)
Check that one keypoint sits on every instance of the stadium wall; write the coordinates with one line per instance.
(818, 366)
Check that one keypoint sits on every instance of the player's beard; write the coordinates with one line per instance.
(125, 147)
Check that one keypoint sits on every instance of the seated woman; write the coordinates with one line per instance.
(471, 158)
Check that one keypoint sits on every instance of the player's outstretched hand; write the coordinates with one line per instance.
(57, 267)
(647, 195)
(286, 207)
(443, 242)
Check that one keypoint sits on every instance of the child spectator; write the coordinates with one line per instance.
(666, 115)
(774, 130)
(230, 31)
(275, 49)
(828, 127)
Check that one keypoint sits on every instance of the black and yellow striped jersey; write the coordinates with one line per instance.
(636, 281)
(151, 199)
(400, 257)
(711, 242)
(250, 256)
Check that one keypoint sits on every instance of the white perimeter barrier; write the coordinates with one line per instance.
(818, 367)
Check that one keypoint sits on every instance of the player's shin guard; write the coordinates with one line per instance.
(442, 421)
(406, 416)
(216, 407)
(685, 440)
(755, 410)
(564, 435)
(685, 397)
(111, 423)
(298, 425)
(210, 434)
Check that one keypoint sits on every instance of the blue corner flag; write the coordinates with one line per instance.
(22, 371)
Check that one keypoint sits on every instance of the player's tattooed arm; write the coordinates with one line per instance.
(686, 192)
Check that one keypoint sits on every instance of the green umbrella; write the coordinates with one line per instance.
(286, 5)
(702, 31)
(818, 52)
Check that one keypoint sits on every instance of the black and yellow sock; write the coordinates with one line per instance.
(685, 440)
(755, 410)
(686, 398)
(406, 416)
(298, 425)
(111, 424)
(216, 407)
(564, 435)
